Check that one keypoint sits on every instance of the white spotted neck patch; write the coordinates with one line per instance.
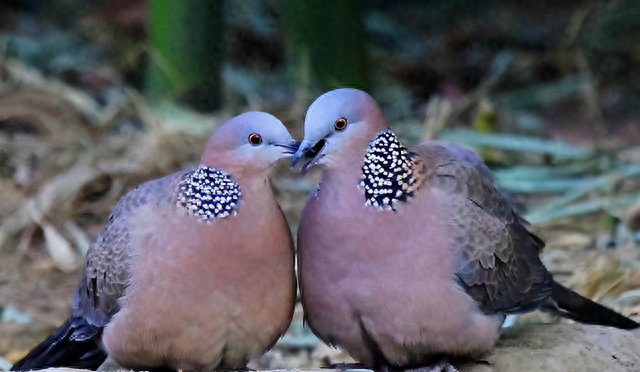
(389, 173)
(208, 193)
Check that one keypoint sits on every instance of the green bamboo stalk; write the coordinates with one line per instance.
(186, 51)
(327, 40)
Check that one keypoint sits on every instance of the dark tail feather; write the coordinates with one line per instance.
(59, 350)
(573, 306)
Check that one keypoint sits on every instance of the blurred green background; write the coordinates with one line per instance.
(533, 59)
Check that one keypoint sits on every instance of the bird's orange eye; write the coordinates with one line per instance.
(255, 139)
(340, 124)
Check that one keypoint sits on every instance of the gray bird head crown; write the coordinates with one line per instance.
(337, 128)
(253, 140)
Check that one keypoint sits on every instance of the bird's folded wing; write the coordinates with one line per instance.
(106, 272)
(497, 258)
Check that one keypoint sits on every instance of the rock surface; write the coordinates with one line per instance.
(561, 347)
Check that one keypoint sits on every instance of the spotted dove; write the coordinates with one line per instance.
(193, 271)
(407, 253)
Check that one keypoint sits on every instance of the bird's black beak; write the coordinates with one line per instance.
(290, 148)
(310, 153)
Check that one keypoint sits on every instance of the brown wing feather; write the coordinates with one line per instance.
(106, 271)
(498, 260)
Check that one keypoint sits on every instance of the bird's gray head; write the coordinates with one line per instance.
(254, 138)
(338, 123)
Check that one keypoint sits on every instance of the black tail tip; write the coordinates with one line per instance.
(581, 309)
(624, 322)
(59, 350)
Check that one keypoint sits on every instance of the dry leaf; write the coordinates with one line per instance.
(59, 248)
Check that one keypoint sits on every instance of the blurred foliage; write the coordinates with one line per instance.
(327, 42)
(185, 54)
